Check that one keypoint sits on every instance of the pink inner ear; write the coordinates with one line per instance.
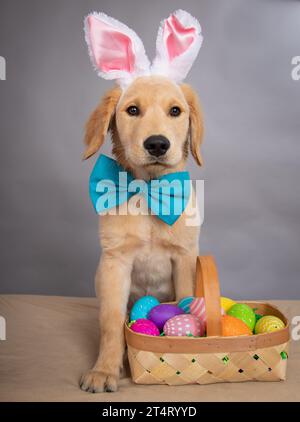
(176, 37)
(112, 50)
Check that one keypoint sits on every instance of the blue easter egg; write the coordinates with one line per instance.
(142, 307)
(185, 303)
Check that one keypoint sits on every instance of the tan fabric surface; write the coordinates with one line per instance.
(51, 341)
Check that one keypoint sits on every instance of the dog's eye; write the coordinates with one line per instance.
(133, 111)
(175, 111)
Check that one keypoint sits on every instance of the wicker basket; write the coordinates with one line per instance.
(211, 359)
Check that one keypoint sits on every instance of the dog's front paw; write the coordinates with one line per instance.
(98, 382)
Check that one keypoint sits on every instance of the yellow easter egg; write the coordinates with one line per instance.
(227, 303)
(268, 324)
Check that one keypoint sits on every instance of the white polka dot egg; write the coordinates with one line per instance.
(184, 325)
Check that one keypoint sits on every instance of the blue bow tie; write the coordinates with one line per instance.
(111, 185)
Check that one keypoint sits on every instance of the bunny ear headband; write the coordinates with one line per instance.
(118, 53)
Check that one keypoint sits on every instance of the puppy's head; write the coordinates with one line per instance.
(153, 123)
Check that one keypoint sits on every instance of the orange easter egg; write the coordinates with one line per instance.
(232, 326)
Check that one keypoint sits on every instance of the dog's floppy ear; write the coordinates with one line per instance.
(99, 122)
(196, 122)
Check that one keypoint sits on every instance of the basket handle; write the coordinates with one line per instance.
(207, 286)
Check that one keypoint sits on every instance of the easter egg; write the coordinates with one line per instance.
(161, 313)
(197, 308)
(227, 303)
(268, 324)
(144, 326)
(142, 307)
(185, 304)
(244, 313)
(184, 325)
(232, 326)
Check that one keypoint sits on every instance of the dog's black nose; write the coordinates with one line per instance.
(157, 145)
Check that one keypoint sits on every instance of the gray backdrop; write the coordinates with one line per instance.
(48, 228)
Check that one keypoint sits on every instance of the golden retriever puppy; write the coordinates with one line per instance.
(154, 120)
(141, 254)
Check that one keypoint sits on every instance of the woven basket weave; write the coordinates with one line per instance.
(211, 359)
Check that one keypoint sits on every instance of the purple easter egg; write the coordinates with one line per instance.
(144, 326)
(161, 313)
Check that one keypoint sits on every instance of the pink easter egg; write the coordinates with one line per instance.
(184, 325)
(197, 308)
(144, 326)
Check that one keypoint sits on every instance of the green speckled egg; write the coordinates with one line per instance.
(244, 313)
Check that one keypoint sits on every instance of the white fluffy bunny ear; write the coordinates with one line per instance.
(178, 42)
(115, 50)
